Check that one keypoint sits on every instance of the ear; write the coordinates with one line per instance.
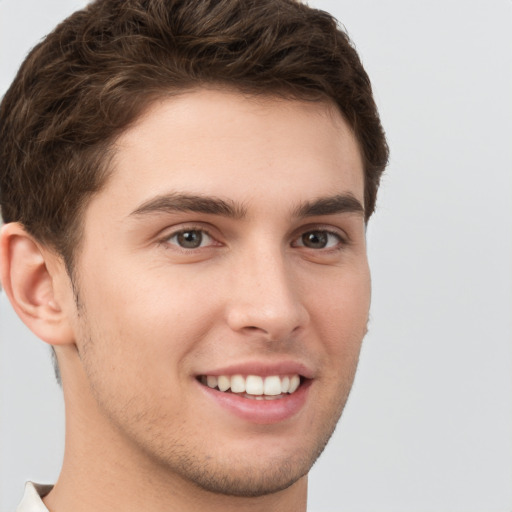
(31, 275)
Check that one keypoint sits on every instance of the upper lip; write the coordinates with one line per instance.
(263, 369)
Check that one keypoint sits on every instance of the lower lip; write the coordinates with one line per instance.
(260, 411)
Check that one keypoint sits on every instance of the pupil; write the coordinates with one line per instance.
(315, 239)
(190, 239)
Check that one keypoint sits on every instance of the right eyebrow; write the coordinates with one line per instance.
(175, 202)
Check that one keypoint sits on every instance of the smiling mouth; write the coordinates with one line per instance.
(254, 387)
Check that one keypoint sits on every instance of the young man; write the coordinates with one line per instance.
(185, 186)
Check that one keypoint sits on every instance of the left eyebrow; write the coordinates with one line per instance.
(341, 203)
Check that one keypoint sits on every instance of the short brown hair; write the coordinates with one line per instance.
(89, 79)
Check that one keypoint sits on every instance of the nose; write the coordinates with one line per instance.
(266, 299)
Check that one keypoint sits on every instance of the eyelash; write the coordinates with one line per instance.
(298, 241)
(190, 229)
(341, 240)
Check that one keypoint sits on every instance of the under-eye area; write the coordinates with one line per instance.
(255, 387)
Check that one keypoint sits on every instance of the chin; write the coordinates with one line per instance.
(244, 475)
(251, 482)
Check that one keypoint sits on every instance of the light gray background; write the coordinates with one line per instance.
(428, 427)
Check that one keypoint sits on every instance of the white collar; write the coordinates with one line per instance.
(32, 501)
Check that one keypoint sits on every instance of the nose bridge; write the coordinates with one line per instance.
(265, 298)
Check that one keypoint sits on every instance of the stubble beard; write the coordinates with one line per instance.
(224, 475)
(242, 476)
(250, 482)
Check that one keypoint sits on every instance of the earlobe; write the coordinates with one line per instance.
(30, 286)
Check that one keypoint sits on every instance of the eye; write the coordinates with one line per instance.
(319, 239)
(191, 239)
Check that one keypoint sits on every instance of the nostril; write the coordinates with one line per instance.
(253, 328)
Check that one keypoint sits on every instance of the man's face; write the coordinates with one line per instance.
(227, 248)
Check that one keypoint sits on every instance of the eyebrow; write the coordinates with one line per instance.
(170, 203)
(176, 202)
(340, 203)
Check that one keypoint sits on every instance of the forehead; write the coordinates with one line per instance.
(224, 143)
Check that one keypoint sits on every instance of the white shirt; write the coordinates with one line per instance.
(32, 501)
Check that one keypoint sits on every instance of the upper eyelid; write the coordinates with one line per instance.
(210, 230)
(167, 234)
(185, 230)
(342, 241)
(334, 230)
(170, 231)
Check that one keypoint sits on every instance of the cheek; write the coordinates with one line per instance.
(343, 311)
(134, 365)
(142, 329)
(341, 323)
(344, 325)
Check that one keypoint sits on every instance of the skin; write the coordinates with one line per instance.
(150, 316)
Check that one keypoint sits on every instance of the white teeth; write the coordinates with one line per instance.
(294, 384)
(211, 381)
(224, 382)
(237, 384)
(254, 385)
(272, 386)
